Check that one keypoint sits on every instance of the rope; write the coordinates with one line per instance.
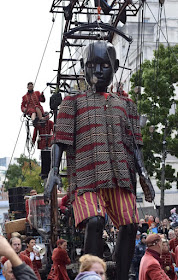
(156, 62)
(14, 149)
(53, 21)
(162, 32)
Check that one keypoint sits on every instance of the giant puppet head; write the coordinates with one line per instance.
(99, 63)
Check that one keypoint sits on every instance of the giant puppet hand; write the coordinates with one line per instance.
(145, 181)
(53, 176)
(53, 179)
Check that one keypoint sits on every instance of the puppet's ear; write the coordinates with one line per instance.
(82, 63)
(116, 66)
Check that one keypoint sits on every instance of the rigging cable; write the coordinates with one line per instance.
(14, 149)
(28, 140)
(139, 59)
(22, 115)
(53, 21)
(156, 61)
(162, 32)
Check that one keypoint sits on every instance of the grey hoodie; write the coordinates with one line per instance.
(88, 275)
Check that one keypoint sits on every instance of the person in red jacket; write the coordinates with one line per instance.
(176, 255)
(44, 132)
(174, 242)
(60, 260)
(35, 257)
(168, 261)
(31, 104)
(150, 267)
(16, 244)
(14, 268)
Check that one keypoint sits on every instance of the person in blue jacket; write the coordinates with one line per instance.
(139, 252)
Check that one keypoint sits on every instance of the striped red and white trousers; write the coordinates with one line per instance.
(118, 203)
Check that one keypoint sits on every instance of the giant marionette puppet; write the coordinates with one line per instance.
(101, 135)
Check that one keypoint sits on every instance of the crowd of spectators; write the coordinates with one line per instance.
(167, 229)
(15, 267)
(155, 240)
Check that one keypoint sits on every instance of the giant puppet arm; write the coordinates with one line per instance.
(53, 177)
(140, 162)
(145, 181)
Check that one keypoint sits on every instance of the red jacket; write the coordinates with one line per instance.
(24, 258)
(51, 275)
(60, 260)
(176, 255)
(168, 259)
(173, 243)
(43, 141)
(32, 100)
(150, 268)
(36, 264)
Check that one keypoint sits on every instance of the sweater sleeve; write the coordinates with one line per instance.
(23, 105)
(60, 257)
(23, 272)
(176, 255)
(155, 272)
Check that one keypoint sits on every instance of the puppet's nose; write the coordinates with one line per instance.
(98, 68)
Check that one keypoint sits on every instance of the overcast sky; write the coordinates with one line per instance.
(25, 27)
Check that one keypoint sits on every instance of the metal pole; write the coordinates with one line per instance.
(164, 155)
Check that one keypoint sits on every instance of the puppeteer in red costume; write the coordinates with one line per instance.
(60, 259)
(44, 133)
(31, 104)
(168, 261)
(35, 258)
(174, 242)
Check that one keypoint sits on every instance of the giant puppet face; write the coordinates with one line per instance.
(100, 64)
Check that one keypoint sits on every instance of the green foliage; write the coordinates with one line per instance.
(13, 173)
(157, 79)
(31, 178)
(64, 179)
(25, 173)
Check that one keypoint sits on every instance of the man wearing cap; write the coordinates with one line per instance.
(150, 268)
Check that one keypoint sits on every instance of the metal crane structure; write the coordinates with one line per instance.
(82, 23)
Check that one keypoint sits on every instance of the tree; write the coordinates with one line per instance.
(25, 173)
(158, 78)
(31, 177)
